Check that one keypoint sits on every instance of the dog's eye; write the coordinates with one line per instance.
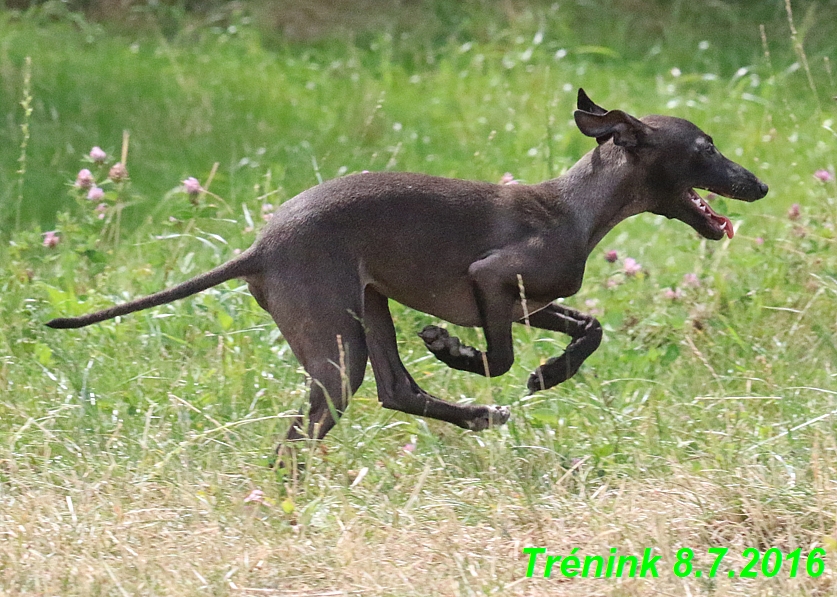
(704, 146)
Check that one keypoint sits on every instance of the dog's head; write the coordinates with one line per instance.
(676, 157)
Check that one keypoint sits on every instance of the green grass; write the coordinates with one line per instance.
(127, 448)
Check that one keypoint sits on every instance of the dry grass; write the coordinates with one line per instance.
(424, 532)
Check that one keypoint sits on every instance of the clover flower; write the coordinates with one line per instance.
(824, 175)
(691, 280)
(98, 155)
(84, 179)
(95, 194)
(118, 172)
(631, 267)
(256, 497)
(51, 238)
(192, 185)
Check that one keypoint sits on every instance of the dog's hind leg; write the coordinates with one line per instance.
(336, 365)
(324, 331)
(335, 360)
(397, 390)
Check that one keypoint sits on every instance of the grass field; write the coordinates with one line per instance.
(133, 454)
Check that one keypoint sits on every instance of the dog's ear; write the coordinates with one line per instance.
(624, 129)
(585, 104)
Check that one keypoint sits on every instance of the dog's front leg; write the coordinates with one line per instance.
(586, 333)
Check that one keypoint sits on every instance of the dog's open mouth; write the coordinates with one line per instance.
(715, 220)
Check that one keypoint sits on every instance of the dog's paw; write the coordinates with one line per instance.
(449, 349)
(490, 416)
(556, 370)
(435, 338)
(536, 382)
(438, 340)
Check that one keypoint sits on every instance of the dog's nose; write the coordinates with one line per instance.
(763, 188)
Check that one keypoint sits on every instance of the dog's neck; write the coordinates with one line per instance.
(602, 189)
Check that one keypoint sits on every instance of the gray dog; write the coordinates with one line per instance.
(465, 252)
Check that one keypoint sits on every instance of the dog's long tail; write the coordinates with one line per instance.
(248, 263)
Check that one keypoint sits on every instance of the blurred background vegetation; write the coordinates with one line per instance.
(175, 75)
(706, 418)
